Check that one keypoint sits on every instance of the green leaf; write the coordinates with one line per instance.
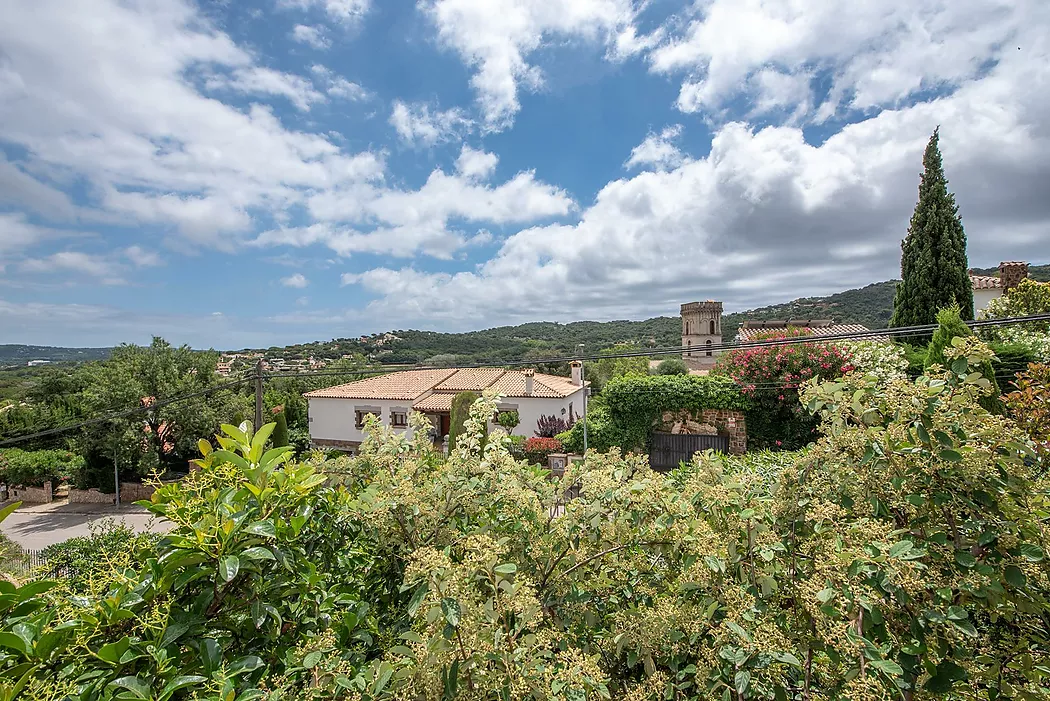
(14, 642)
(787, 658)
(1032, 552)
(825, 595)
(944, 678)
(1015, 577)
(135, 685)
(888, 667)
(900, 548)
(505, 570)
(245, 665)
(312, 658)
(951, 455)
(7, 510)
(259, 441)
(265, 529)
(742, 681)
(235, 433)
(112, 652)
(965, 626)
(211, 655)
(180, 682)
(229, 566)
(740, 632)
(417, 598)
(258, 553)
(450, 608)
(965, 559)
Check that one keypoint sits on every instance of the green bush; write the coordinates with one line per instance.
(91, 564)
(601, 434)
(672, 366)
(33, 468)
(516, 447)
(508, 420)
(461, 404)
(950, 326)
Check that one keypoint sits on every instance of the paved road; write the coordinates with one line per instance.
(36, 526)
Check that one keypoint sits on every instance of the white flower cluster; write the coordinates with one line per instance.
(1037, 342)
(879, 358)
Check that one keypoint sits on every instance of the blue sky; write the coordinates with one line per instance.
(252, 173)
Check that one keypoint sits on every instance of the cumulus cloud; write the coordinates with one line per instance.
(312, 35)
(496, 38)
(416, 124)
(101, 268)
(257, 80)
(473, 163)
(298, 280)
(658, 150)
(141, 257)
(875, 53)
(766, 210)
(347, 12)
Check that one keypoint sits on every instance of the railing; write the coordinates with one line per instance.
(34, 562)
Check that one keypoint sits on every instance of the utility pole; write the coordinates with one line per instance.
(258, 394)
(583, 381)
(116, 472)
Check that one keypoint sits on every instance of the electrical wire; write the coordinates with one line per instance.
(120, 414)
(876, 334)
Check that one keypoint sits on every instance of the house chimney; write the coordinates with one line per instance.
(530, 379)
(577, 373)
(1011, 273)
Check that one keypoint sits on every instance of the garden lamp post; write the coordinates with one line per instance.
(583, 382)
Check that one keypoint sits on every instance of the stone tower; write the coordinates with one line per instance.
(701, 329)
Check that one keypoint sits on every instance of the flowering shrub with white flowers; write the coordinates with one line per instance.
(884, 360)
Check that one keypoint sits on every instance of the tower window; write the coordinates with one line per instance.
(709, 345)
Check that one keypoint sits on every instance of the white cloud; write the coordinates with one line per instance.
(876, 52)
(417, 125)
(345, 11)
(297, 280)
(17, 233)
(108, 93)
(103, 269)
(338, 86)
(657, 150)
(313, 35)
(141, 257)
(473, 163)
(496, 38)
(764, 210)
(23, 190)
(257, 80)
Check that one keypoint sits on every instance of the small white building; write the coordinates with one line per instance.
(988, 287)
(337, 414)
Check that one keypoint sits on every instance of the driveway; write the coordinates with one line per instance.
(36, 526)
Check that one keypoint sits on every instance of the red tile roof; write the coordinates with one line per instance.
(985, 282)
(419, 385)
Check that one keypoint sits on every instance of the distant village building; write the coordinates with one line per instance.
(701, 333)
(988, 287)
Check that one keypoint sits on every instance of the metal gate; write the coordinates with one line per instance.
(670, 449)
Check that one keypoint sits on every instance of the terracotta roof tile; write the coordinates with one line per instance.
(435, 402)
(748, 334)
(985, 282)
(407, 384)
(470, 379)
(412, 384)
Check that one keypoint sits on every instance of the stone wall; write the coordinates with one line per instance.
(131, 492)
(711, 422)
(32, 495)
(90, 496)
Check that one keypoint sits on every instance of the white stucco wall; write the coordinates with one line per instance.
(981, 298)
(531, 408)
(334, 419)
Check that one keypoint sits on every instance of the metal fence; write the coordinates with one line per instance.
(27, 562)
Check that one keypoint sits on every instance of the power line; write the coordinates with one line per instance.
(120, 414)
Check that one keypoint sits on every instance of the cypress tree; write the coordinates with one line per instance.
(279, 437)
(934, 272)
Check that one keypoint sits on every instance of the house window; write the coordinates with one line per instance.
(399, 419)
(359, 418)
(712, 327)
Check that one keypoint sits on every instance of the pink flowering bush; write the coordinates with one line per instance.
(770, 377)
(539, 447)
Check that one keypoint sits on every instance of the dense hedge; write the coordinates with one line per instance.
(636, 402)
(31, 468)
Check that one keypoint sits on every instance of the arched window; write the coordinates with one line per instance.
(689, 344)
(709, 345)
(712, 327)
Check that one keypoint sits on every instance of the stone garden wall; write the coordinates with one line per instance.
(710, 422)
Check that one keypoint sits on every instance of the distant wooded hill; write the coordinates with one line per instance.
(870, 306)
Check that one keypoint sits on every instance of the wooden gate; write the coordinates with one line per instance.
(670, 449)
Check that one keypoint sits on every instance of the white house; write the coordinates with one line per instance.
(337, 414)
(988, 287)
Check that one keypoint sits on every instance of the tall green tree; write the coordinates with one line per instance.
(933, 255)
